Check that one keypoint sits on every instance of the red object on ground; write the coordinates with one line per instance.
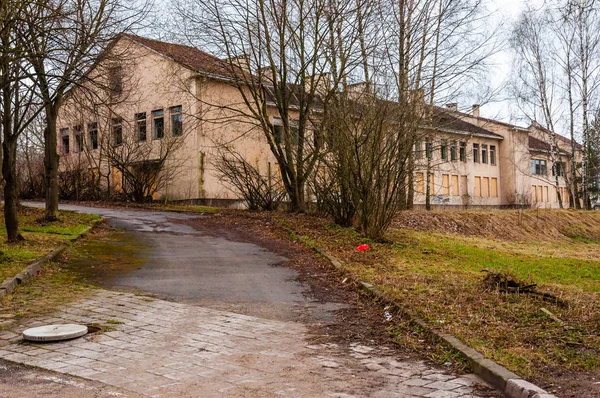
(363, 247)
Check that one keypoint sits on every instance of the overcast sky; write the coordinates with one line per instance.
(508, 11)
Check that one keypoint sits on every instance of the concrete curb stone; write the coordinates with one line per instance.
(503, 379)
(11, 283)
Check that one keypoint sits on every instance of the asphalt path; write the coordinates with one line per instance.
(183, 264)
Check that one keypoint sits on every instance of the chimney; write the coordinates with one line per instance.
(322, 82)
(453, 106)
(358, 90)
(241, 61)
(475, 110)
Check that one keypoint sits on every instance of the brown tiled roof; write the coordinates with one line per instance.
(445, 120)
(558, 136)
(539, 145)
(187, 56)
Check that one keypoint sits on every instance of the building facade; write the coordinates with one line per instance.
(157, 91)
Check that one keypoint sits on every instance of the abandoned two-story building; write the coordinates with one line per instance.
(166, 90)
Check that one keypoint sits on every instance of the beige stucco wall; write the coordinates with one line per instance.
(153, 82)
(452, 179)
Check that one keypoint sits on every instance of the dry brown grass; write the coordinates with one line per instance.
(434, 269)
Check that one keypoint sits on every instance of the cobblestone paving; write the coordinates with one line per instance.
(160, 348)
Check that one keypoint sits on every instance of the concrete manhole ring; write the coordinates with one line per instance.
(55, 332)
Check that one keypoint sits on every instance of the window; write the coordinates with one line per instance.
(64, 134)
(444, 150)
(494, 187)
(538, 167)
(428, 149)
(158, 124)
(115, 80)
(278, 131)
(476, 153)
(445, 185)
(418, 151)
(78, 136)
(546, 192)
(93, 133)
(140, 126)
(176, 121)
(493, 155)
(559, 168)
(484, 153)
(117, 131)
(454, 185)
(463, 152)
(453, 151)
(420, 183)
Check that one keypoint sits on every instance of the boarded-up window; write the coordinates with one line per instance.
(455, 185)
(494, 188)
(485, 187)
(546, 193)
(420, 183)
(477, 192)
(446, 184)
(117, 180)
(432, 185)
(464, 186)
(555, 195)
(540, 194)
(534, 197)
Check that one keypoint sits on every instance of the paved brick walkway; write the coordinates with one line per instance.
(160, 348)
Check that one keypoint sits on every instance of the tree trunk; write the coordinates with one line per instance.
(51, 165)
(9, 172)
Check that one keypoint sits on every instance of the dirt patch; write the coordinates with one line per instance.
(512, 225)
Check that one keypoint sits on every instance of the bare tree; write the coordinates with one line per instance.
(537, 80)
(18, 108)
(145, 166)
(281, 58)
(64, 39)
(260, 190)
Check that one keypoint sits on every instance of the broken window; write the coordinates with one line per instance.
(418, 150)
(93, 133)
(117, 131)
(78, 136)
(64, 133)
(453, 151)
(176, 121)
(559, 168)
(158, 124)
(115, 80)
(484, 153)
(140, 126)
(444, 149)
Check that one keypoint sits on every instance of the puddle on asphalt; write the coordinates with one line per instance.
(108, 257)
